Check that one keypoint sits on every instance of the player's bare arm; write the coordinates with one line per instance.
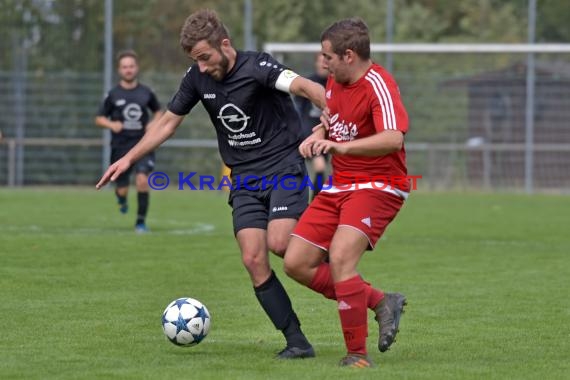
(380, 144)
(313, 91)
(155, 118)
(157, 115)
(163, 129)
(104, 122)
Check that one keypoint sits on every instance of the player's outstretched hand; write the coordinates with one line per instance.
(113, 172)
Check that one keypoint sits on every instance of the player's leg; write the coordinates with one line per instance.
(347, 247)
(271, 295)
(286, 199)
(369, 212)
(143, 168)
(252, 244)
(279, 233)
(143, 202)
(307, 250)
(302, 262)
(250, 223)
(306, 257)
(285, 202)
(122, 183)
(121, 193)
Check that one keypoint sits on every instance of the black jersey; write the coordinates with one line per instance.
(129, 106)
(257, 126)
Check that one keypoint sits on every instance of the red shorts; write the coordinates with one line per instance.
(368, 211)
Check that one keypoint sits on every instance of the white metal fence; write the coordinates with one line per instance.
(47, 120)
(61, 161)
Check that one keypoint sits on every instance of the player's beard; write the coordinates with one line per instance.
(129, 79)
(222, 69)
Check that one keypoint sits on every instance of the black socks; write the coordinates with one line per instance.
(143, 207)
(277, 305)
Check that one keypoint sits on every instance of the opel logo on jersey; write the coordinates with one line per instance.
(132, 112)
(233, 118)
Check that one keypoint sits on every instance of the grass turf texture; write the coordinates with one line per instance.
(486, 278)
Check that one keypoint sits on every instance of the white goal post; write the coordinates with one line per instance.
(286, 47)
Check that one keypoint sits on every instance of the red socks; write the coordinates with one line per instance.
(323, 283)
(352, 309)
(373, 296)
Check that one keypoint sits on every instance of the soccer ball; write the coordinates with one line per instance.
(186, 322)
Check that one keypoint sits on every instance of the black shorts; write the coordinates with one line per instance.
(261, 200)
(144, 165)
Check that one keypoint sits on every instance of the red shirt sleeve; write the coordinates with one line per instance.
(387, 108)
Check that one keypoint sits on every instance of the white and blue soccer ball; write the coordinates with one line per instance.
(186, 322)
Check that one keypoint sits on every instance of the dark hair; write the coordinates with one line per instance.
(127, 53)
(350, 33)
(202, 25)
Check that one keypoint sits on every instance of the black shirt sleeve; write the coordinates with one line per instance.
(153, 102)
(267, 69)
(106, 108)
(186, 97)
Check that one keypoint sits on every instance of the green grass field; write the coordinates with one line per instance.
(486, 276)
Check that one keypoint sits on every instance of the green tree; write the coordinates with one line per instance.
(552, 21)
(54, 35)
(460, 21)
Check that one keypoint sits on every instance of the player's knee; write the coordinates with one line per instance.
(142, 179)
(298, 266)
(292, 268)
(252, 261)
(278, 244)
(122, 190)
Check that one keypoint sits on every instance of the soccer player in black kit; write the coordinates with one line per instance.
(247, 95)
(125, 111)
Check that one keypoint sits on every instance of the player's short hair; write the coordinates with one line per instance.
(350, 33)
(203, 25)
(127, 53)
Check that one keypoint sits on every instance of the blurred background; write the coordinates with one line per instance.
(486, 83)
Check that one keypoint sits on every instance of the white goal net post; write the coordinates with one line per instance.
(292, 47)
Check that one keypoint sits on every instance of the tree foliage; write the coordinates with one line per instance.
(68, 35)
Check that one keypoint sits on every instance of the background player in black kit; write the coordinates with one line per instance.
(247, 95)
(125, 112)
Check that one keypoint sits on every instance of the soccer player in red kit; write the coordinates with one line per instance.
(366, 125)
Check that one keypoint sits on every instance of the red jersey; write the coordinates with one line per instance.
(370, 105)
